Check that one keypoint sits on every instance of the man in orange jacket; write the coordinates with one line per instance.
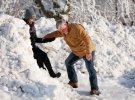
(82, 46)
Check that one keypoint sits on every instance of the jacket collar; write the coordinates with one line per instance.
(69, 26)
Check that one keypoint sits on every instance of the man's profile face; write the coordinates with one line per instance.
(31, 20)
(62, 28)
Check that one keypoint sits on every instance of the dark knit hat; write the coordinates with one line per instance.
(29, 13)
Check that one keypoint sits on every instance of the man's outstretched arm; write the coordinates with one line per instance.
(54, 34)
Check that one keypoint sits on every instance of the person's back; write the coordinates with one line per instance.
(39, 55)
(78, 39)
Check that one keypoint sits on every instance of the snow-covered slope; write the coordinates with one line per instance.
(21, 79)
(115, 47)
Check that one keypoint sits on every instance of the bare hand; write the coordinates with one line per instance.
(88, 56)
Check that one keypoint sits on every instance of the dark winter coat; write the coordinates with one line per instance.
(34, 39)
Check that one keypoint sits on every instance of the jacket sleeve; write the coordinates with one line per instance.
(40, 40)
(87, 40)
(54, 34)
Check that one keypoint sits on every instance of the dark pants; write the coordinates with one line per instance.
(89, 65)
(42, 59)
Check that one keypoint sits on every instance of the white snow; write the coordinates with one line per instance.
(21, 79)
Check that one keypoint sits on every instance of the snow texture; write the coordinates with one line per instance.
(21, 79)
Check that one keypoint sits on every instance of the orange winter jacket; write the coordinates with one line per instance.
(77, 39)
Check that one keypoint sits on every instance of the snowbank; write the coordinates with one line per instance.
(20, 77)
(115, 48)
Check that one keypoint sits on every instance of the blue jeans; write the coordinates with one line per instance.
(72, 58)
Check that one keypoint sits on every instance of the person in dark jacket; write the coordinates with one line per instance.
(39, 55)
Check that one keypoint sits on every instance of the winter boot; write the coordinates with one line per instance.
(95, 92)
(57, 75)
(73, 84)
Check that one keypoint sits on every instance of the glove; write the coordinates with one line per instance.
(48, 40)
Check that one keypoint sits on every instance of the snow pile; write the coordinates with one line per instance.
(20, 77)
(115, 48)
(43, 27)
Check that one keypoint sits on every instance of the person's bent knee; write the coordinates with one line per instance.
(67, 63)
